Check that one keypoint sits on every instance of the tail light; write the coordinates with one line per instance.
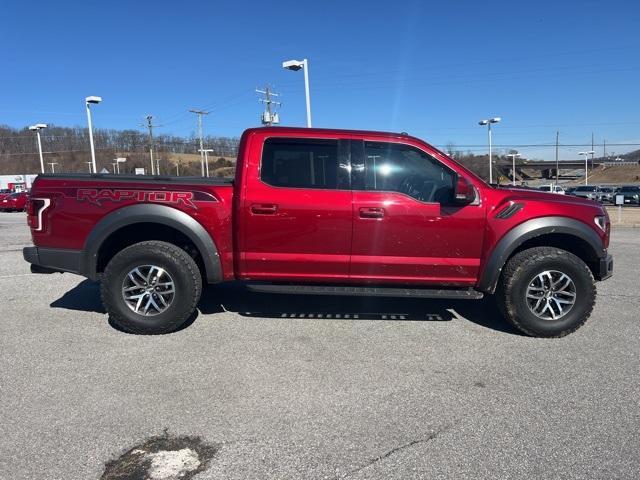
(35, 211)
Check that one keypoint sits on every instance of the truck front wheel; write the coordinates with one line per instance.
(546, 292)
(151, 287)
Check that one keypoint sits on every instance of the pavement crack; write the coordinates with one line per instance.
(395, 450)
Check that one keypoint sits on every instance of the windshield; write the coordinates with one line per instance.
(545, 189)
(585, 189)
(629, 189)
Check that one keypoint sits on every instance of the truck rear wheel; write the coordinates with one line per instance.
(546, 292)
(151, 287)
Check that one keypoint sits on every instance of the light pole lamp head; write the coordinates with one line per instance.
(93, 99)
(489, 120)
(294, 65)
(38, 126)
(121, 160)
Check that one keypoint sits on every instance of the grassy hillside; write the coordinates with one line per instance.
(618, 175)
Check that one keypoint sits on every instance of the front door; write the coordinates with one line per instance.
(406, 227)
(297, 213)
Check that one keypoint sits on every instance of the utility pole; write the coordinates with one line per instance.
(604, 149)
(593, 152)
(557, 163)
(199, 113)
(269, 117)
(150, 126)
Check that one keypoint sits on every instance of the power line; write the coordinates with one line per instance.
(480, 147)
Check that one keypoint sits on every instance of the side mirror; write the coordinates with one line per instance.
(464, 193)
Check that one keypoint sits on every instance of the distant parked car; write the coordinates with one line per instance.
(587, 191)
(14, 202)
(569, 190)
(552, 189)
(631, 194)
(607, 195)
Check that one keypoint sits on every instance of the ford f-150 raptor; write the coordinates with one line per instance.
(322, 211)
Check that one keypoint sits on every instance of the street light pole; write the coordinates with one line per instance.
(306, 91)
(120, 160)
(206, 151)
(488, 122)
(296, 65)
(36, 128)
(87, 102)
(40, 151)
(513, 168)
(586, 165)
(52, 165)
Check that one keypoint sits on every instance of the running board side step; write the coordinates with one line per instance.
(453, 294)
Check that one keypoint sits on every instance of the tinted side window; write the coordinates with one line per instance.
(405, 169)
(300, 163)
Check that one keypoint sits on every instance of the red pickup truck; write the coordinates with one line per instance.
(319, 211)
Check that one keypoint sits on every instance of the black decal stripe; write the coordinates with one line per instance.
(509, 211)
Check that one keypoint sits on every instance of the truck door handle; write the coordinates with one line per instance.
(264, 209)
(371, 212)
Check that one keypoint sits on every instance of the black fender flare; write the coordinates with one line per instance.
(526, 231)
(151, 213)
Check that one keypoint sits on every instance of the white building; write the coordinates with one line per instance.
(16, 182)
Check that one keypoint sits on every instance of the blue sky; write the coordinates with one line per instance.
(432, 69)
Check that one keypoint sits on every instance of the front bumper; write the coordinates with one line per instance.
(49, 260)
(605, 268)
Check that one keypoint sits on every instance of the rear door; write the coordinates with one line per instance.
(297, 212)
(406, 228)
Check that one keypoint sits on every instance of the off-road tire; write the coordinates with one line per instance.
(525, 265)
(178, 264)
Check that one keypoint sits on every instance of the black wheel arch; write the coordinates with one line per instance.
(585, 243)
(151, 214)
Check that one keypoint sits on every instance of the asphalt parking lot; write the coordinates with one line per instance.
(288, 387)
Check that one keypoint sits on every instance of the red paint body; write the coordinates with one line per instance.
(315, 235)
(14, 201)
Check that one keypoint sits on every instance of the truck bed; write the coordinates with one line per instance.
(83, 204)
